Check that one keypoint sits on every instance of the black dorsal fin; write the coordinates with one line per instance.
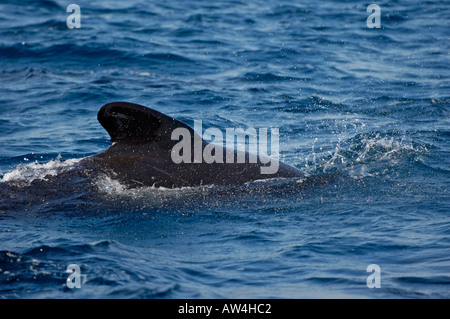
(134, 123)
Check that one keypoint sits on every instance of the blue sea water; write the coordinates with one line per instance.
(365, 108)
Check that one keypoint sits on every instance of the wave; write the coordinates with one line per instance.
(65, 51)
(46, 265)
(79, 54)
(311, 104)
(44, 4)
(265, 77)
(167, 57)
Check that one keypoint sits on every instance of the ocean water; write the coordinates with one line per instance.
(363, 112)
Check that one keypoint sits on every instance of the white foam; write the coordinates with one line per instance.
(114, 188)
(32, 171)
(110, 186)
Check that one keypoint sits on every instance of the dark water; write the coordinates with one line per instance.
(365, 108)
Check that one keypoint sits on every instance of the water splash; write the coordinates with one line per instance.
(361, 154)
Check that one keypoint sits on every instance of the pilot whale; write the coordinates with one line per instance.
(142, 146)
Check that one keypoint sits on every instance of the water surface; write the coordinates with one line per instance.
(366, 109)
